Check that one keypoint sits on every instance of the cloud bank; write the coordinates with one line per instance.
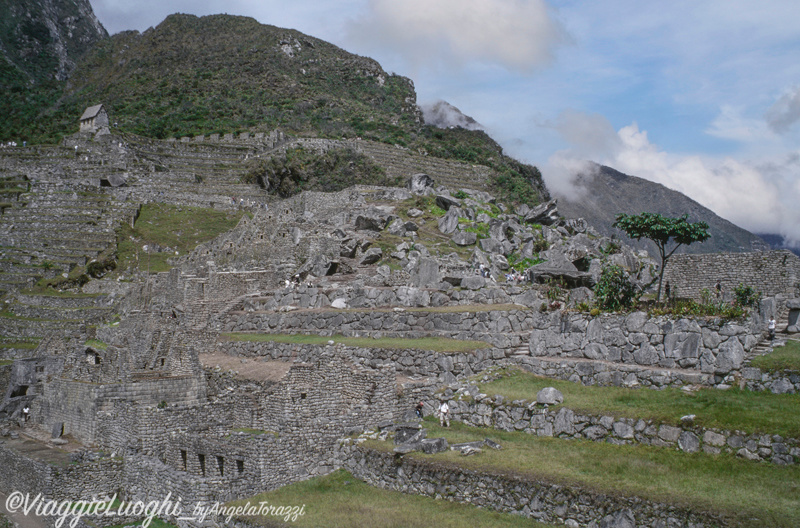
(760, 196)
(518, 35)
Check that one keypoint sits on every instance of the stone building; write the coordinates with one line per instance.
(94, 118)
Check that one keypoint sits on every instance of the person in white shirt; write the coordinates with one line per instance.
(444, 414)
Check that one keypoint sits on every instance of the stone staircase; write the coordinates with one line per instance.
(765, 345)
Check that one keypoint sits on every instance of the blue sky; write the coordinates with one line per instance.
(701, 96)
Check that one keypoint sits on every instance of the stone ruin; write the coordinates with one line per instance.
(165, 398)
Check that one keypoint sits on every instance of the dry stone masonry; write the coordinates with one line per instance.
(127, 376)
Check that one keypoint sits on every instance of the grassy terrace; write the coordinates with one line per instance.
(748, 494)
(733, 410)
(782, 358)
(180, 228)
(339, 500)
(461, 308)
(435, 344)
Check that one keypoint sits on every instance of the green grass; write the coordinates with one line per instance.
(24, 345)
(747, 493)
(4, 362)
(339, 500)
(780, 359)
(180, 228)
(733, 409)
(95, 343)
(435, 344)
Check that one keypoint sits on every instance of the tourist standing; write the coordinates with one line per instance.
(444, 414)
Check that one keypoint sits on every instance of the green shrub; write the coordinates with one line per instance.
(614, 291)
(746, 295)
(97, 269)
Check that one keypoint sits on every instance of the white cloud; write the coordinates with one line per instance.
(761, 198)
(785, 112)
(518, 35)
(731, 124)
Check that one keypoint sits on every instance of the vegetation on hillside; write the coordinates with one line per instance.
(226, 74)
(300, 169)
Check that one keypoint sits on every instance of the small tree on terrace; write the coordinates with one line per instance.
(662, 230)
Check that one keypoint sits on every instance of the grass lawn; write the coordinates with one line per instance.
(733, 409)
(435, 344)
(781, 358)
(181, 228)
(339, 500)
(749, 494)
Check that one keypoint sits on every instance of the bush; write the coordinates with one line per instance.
(97, 269)
(746, 295)
(614, 291)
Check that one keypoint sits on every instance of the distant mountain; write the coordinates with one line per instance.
(444, 115)
(43, 39)
(778, 242)
(608, 192)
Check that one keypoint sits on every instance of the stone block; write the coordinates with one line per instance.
(669, 433)
(714, 439)
(689, 442)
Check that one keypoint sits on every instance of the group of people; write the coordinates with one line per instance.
(13, 144)
(295, 282)
(443, 413)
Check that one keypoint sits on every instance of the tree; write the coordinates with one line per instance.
(661, 230)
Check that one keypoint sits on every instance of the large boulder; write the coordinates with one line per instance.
(464, 238)
(426, 273)
(449, 222)
(549, 396)
(420, 184)
(446, 201)
(544, 214)
(473, 282)
(730, 356)
(372, 256)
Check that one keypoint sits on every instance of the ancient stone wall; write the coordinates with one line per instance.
(544, 502)
(58, 480)
(407, 361)
(5, 378)
(563, 422)
(708, 346)
(770, 272)
(501, 328)
(76, 404)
